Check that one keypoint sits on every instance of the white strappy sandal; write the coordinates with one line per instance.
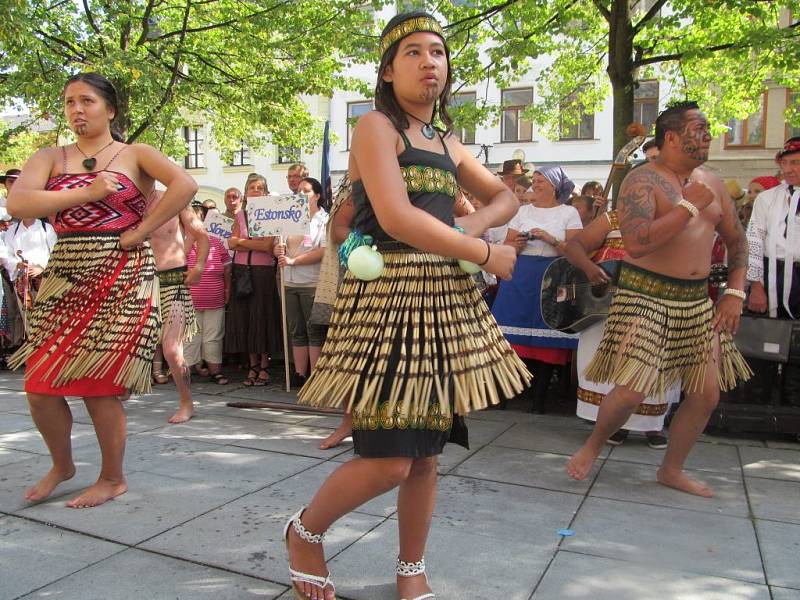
(312, 538)
(412, 569)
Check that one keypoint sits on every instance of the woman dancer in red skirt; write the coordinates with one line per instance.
(95, 323)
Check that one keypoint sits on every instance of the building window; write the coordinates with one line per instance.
(645, 103)
(354, 111)
(792, 99)
(288, 155)
(748, 132)
(515, 127)
(241, 157)
(195, 157)
(466, 136)
(583, 129)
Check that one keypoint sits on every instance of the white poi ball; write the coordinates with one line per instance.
(366, 263)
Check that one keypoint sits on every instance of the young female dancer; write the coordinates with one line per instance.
(414, 350)
(95, 324)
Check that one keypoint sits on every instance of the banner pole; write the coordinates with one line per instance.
(285, 324)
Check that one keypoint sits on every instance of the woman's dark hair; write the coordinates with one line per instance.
(589, 186)
(107, 91)
(316, 186)
(385, 100)
(523, 180)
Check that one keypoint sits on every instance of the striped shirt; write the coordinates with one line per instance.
(209, 293)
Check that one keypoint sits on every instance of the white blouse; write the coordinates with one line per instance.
(555, 221)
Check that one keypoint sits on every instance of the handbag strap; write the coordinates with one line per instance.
(249, 252)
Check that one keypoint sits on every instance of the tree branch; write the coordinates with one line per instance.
(176, 69)
(603, 10)
(148, 10)
(259, 13)
(481, 16)
(648, 16)
(93, 25)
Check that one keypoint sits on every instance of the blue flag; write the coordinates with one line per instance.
(325, 178)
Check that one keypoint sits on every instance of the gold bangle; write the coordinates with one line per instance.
(734, 292)
(693, 210)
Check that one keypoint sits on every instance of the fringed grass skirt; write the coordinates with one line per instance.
(177, 309)
(659, 332)
(95, 323)
(407, 351)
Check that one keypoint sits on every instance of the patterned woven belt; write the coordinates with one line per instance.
(661, 286)
(173, 276)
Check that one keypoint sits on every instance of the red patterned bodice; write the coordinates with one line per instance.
(119, 211)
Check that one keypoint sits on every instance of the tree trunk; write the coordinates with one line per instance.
(620, 72)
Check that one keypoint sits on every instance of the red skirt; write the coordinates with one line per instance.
(94, 326)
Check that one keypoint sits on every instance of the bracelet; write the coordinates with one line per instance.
(488, 253)
(693, 210)
(734, 292)
(556, 242)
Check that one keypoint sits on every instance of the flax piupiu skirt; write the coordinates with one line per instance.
(95, 323)
(410, 354)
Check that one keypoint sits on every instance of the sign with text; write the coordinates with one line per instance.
(282, 215)
(219, 226)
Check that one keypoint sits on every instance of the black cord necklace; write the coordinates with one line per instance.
(428, 131)
(90, 162)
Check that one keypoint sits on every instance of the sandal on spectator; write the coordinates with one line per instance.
(218, 378)
(250, 380)
(262, 381)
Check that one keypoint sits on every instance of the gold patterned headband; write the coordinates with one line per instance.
(408, 27)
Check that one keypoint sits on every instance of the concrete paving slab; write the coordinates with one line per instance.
(523, 467)
(771, 464)
(156, 577)
(247, 536)
(243, 469)
(30, 440)
(153, 504)
(542, 438)
(12, 400)
(261, 435)
(503, 511)
(33, 555)
(784, 594)
(703, 543)
(780, 548)
(581, 577)
(499, 569)
(12, 380)
(217, 405)
(637, 483)
(742, 439)
(14, 422)
(717, 458)
(789, 443)
(774, 500)
(17, 477)
(8, 456)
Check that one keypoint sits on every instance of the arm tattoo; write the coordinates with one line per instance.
(637, 203)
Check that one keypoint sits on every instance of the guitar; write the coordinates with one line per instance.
(638, 136)
(570, 303)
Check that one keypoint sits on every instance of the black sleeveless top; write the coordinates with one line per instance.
(431, 184)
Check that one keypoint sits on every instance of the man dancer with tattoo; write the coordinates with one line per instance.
(170, 244)
(662, 326)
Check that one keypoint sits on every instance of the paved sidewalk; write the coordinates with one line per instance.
(208, 499)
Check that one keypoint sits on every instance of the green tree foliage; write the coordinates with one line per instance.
(18, 143)
(721, 53)
(242, 66)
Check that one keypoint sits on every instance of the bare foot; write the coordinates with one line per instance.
(336, 438)
(412, 587)
(310, 559)
(181, 416)
(581, 462)
(100, 492)
(48, 483)
(681, 481)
